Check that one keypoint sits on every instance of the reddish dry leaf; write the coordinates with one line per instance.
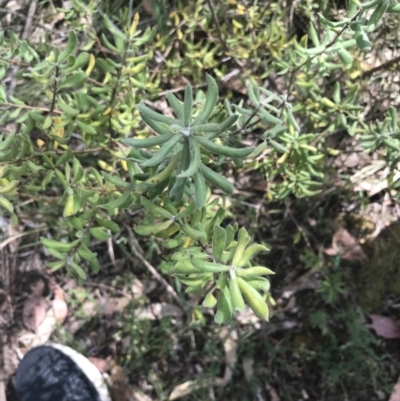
(344, 244)
(35, 307)
(272, 393)
(395, 396)
(186, 388)
(34, 312)
(101, 364)
(59, 305)
(236, 84)
(384, 327)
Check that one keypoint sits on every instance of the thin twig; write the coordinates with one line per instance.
(221, 37)
(331, 43)
(383, 66)
(107, 287)
(25, 35)
(163, 60)
(14, 62)
(299, 227)
(216, 22)
(54, 153)
(18, 14)
(138, 252)
(2, 391)
(180, 89)
(19, 235)
(29, 19)
(55, 84)
(24, 106)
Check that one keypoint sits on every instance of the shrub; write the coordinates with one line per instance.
(72, 164)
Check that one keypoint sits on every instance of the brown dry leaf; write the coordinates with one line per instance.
(158, 311)
(46, 328)
(248, 317)
(120, 389)
(186, 388)
(137, 395)
(373, 178)
(248, 368)
(229, 339)
(344, 244)
(261, 186)
(233, 81)
(59, 305)
(112, 306)
(2, 391)
(395, 396)
(384, 327)
(148, 7)
(272, 393)
(34, 312)
(14, 237)
(137, 288)
(373, 187)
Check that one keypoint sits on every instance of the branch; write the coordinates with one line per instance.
(331, 43)
(138, 253)
(55, 153)
(383, 66)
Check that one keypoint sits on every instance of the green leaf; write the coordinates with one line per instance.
(209, 301)
(113, 28)
(200, 190)
(73, 80)
(211, 100)
(4, 143)
(163, 153)
(86, 128)
(278, 147)
(176, 105)
(86, 253)
(71, 46)
(149, 142)
(187, 106)
(362, 40)
(224, 150)
(117, 181)
(312, 33)
(217, 179)
(254, 94)
(195, 159)
(6, 204)
(109, 225)
(149, 115)
(218, 242)
(59, 246)
(224, 307)
(206, 128)
(99, 233)
(345, 56)
(56, 265)
(66, 108)
(80, 61)
(78, 270)
(123, 200)
(154, 209)
(378, 13)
